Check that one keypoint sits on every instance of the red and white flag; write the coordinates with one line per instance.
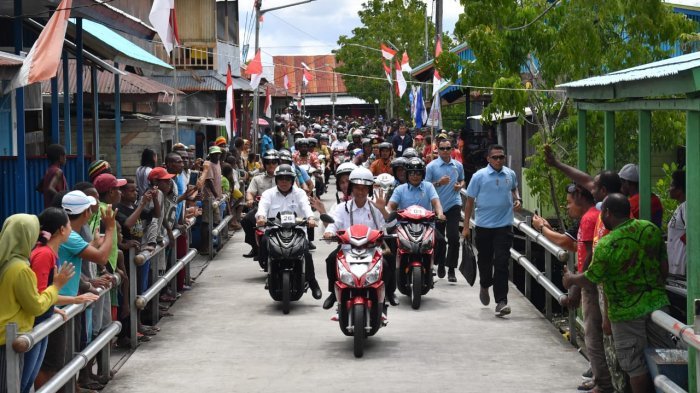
(230, 107)
(404, 63)
(437, 79)
(254, 70)
(387, 72)
(285, 82)
(268, 102)
(43, 59)
(387, 52)
(162, 17)
(307, 77)
(299, 100)
(400, 81)
(305, 66)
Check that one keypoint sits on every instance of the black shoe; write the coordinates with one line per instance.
(441, 271)
(393, 299)
(588, 373)
(502, 309)
(253, 253)
(329, 302)
(484, 296)
(451, 275)
(315, 290)
(312, 246)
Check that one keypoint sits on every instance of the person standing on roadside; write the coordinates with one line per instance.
(447, 176)
(401, 141)
(54, 180)
(494, 192)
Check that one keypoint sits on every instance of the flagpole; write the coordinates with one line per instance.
(177, 124)
(391, 92)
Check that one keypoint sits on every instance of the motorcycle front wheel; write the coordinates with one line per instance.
(358, 323)
(286, 291)
(416, 286)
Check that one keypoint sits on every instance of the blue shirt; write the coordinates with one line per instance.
(439, 168)
(70, 252)
(266, 145)
(492, 193)
(407, 195)
(302, 174)
(181, 187)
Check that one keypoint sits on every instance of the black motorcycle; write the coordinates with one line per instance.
(287, 246)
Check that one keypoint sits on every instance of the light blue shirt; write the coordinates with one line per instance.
(302, 174)
(493, 198)
(439, 168)
(69, 251)
(407, 195)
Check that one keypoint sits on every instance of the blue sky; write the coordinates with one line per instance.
(314, 28)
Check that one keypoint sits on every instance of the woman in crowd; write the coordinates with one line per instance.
(149, 160)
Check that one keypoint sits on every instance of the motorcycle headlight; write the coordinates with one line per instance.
(345, 276)
(372, 275)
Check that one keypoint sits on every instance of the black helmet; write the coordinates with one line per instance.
(271, 155)
(284, 170)
(323, 137)
(415, 164)
(285, 157)
(312, 142)
(396, 163)
(385, 145)
(410, 153)
(301, 142)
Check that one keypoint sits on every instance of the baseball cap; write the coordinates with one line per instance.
(630, 172)
(159, 173)
(214, 150)
(76, 202)
(106, 182)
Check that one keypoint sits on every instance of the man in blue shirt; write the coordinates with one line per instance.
(266, 142)
(401, 141)
(416, 191)
(494, 190)
(447, 175)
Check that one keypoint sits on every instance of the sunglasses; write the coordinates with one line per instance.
(445, 148)
(498, 157)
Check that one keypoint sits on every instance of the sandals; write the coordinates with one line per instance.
(90, 386)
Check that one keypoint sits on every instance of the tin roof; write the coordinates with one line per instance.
(655, 70)
(200, 80)
(322, 66)
(10, 60)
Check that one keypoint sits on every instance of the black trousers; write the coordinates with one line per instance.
(388, 266)
(309, 270)
(248, 224)
(493, 246)
(451, 224)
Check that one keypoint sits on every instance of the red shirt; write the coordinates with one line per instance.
(657, 209)
(457, 155)
(43, 260)
(586, 233)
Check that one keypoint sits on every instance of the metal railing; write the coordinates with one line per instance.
(544, 279)
(687, 335)
(16, 345)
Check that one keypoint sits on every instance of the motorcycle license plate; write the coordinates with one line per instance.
(287, 219)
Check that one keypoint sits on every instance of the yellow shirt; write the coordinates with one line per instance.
(21, 302)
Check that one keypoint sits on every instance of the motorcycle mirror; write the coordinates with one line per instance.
(326, 219)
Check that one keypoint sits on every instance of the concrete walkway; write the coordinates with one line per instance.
(228, 335)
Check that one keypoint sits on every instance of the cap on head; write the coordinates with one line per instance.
(630, 172)
(97, 168)
(106, 182)
(159, 173)
(215, 150)
(76, 202)
(220, 141)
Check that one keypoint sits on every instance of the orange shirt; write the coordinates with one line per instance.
(380, 166)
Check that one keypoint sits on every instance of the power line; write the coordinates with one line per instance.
(525, 26)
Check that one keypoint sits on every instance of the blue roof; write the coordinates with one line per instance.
(115, 47)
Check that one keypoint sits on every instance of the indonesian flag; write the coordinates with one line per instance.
(307, 77)
(299, 100)
(254, 70)
(230, 106)
(404, 63)
(437, 79)
(42, 60)
(268, 103)
(400, 81)
(387, 71)
(285, 82)
(163, 19)
(387, 52)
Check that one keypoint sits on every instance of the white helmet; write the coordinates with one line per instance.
(362, 176)
(345, 168)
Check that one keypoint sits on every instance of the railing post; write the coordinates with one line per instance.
(210, 227)
(12, 360)
(188, 275)
(155, 302)
(71, 345)
(571, 265)
(105, 366)
(548, 274)
(173, 261)
(528, 255)
(133, 290)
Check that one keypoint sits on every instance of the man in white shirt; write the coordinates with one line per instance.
(676, 243)
(285, 197)
(360, 210)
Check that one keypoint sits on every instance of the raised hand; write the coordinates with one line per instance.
(65, 273)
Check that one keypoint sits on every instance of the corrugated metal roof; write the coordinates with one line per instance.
(131, 84)
(326, 101)
(10, 60)
(657, 69)
(419, 69)
(324, 80)
(200, 80)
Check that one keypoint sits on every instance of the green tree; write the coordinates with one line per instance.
(541, 43)
(399, 22)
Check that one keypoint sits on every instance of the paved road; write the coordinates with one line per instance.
(228, 335)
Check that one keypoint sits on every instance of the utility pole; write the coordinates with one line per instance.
(438, 20)
(391, 91)
(425, 46)
(258, 13)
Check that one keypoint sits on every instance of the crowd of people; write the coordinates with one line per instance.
(74, 249)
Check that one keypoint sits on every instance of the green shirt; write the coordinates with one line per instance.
(627, 262)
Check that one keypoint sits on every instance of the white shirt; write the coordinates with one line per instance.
(338, 144)
(674, 245)
(360, 216)
(272, 202)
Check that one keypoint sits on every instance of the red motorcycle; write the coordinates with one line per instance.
(360, 289)
(414, 258)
